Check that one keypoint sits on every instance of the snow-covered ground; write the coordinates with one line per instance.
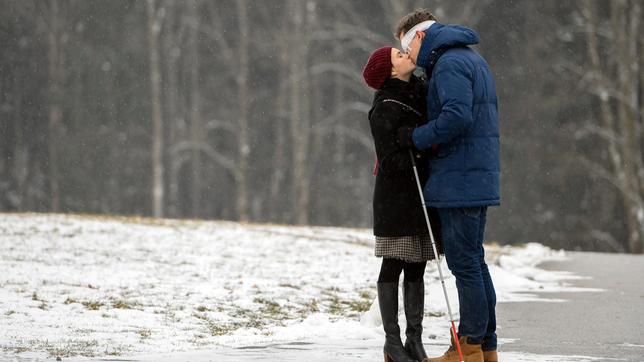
(84, 287)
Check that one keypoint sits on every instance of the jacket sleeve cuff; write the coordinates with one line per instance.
(421, 137)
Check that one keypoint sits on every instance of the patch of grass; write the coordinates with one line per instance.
(268, 305)
(70, 300)
(15, 349)
(220, 329)
(363, 304)
(310, 307)
(200, 316)
(70, 348)
(215, 328)
(289, 285)
(348, 307)
(336, 306)
(84, 331)
(74, 348)
(268, 313)
(199, 339)
(43, 303)
(124, 304)
(203, 308)
(9, 312)
(360, 306)
(331, 292)
(92, 305)
(271, 310)
(144, 333)
(113, 352)
(256, 322)
(249, 318)
(434, 314)
(169, 315)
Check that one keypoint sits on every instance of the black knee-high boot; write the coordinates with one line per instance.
(388, 301)
(414, 299)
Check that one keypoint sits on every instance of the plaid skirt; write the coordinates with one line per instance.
(414, 248)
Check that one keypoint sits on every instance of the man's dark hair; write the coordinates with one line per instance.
(412, 19)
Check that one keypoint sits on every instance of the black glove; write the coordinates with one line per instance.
(403, 137)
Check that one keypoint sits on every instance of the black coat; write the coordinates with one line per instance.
(397, 208)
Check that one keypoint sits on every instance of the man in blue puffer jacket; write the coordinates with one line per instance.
(464, 176)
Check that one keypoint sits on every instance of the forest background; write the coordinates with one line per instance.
(256, 111)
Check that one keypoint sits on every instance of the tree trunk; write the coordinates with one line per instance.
(626, 112)
(55, 56)
(633, 127)
(154, 28)
(625, 148)
(279, 162)
(174, 126)
(298, 112)
(243, 143)
(196, 129)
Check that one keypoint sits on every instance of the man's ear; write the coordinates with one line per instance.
(420, 34)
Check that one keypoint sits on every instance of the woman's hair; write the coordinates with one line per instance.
(410, 20)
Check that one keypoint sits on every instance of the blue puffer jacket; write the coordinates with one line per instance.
(463, 121)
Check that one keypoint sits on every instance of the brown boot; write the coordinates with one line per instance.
(471, 352)
(490, 356)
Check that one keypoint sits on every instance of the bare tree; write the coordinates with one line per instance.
(56, 75)
(244, 106)
(196, 128)
(261, 107)
(154, 28)
(279, 158)
(299, 122)
(616, 85)
(174, 26)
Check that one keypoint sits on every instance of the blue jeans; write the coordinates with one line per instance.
(463, 231)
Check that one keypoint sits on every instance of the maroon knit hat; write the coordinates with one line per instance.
(378, 68)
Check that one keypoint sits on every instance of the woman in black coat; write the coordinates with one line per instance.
(402, 237)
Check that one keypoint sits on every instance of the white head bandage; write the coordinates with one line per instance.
(409, 36)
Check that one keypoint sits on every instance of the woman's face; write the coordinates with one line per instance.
(402, 64)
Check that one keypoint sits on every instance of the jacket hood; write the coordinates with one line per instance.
(440, 36)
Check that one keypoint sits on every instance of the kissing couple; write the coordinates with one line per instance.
(445, 125)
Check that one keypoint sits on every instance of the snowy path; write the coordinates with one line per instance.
(117, 288)
(608, 325)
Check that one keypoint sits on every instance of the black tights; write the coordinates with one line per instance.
(391, 268)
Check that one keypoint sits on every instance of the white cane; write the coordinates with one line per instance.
(438, 258)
